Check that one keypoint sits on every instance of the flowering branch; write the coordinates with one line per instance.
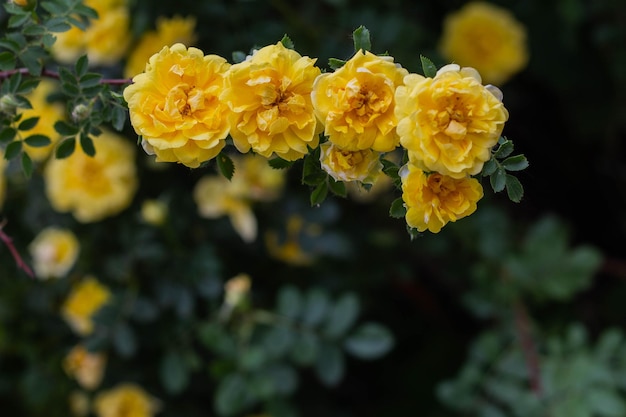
(529, 349)
(18, 259)
(53, 74)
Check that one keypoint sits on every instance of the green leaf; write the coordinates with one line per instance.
(33, 59)
(7, 61)
(397, 209)
(174, 372)
(305, 348)
(316, 305)
(57, 24)
(605, 402)
(318, 195)
(86, 143)
(429, 69)
(335, 63)
(312, 172)
(337, 187)
(515, 163)
(225, 165)
(65, 129)
(498, 180)
(7, 134)
(27, 165)
(369, 341)
(330, 365)
(287, 42)
(342, 316)
(280, 163)
(82, 64)
(18, 20)
(505, 149)
(28, 124)
(361, 38)
(231, 396)
(37, 141)
(238, 56)
(514, 188)
(289, 303)
(89, 80)
(490, 167)
(66, 148)
(118, 118)
(124, 340)
(13, 149)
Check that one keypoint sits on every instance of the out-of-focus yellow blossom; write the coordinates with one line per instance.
(174, 105)
(48, 113)
(54, 251)
(3, 179)
(154, 212)
(79, 403)
(434, 200)
(356, 102)
(269, 95)
(93, 188)
(344, 165)
(85, 299)
(486, 37)
(85, 367)
(20, 3)
(236, 289)
(449, 123)
(253, 180)
(168, 32)
(125, 400)
(106, 39)
(289, 250)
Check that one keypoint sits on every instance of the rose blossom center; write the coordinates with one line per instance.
(184, 100)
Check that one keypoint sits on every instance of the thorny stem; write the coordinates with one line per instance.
(9, 244)
(522, 326)
(55, 75)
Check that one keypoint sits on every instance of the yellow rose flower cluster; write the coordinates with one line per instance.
(87, 368)
(125, 400)
(85, 299)
(54, 251)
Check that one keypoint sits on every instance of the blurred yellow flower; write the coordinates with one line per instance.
(125, 400)
(154, 212)
(486, 37)
(270, 97)
(174, 105)
(236, 289)
(253, 181)
(48, 113)
(344, 165)
(79, 403)
(85, 367)
(54, 251)
(434, 200)
(168, 32)
(93, 188)
(289, 250)
(105, 40)
(449, 123)
(84, 300)
(356, 102)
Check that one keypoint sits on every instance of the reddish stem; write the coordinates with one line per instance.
(18, 259)
(522, 325)
(55, 75)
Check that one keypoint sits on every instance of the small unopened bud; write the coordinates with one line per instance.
(80, 112)
(8, 104)
(154, 212)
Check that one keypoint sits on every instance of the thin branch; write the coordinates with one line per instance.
(529, 349)
(9, 244)
(55, 75)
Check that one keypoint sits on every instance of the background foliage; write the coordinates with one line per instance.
(514, 311)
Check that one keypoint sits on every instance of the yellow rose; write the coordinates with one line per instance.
(486, 37)
(82, 303)
(356, 102)
(168, 32)
(54, 252)
(449, 123)
(269, 95)
(48, 113)
(105, 40)
(84, 366)
(434, 200)
(344, 165)
(174, 105)
(125, 400)
(93, 188)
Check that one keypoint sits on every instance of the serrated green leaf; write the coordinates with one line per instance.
(498, 180)
(18, 20)
(86, 143)
(335, 63)
(89, 80)
(504, 149)
(361, 38)
(330, 365)
(397, 209)
(66, 148)
(28, 124)
(429, 69)
(82, 64)
(280, 163)
(225, 165)
(118, 118)
(174, 372)
(7, 61)
(27, 165)
(319, 194)
(37, 141)
(22, 102)
(287, 42)
(515, 163)
(337, 187)
(67, 77)
(13, 149)
(57, 24)
(342, 316)
(65, 129)
(7, 134)
(33, 30)
(514, 188)
(369, 341)
(490, 167)
(312, 172)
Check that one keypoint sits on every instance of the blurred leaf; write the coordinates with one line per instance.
(144, 310)
(330, 366)
(174, 372)
(13, 149)
(369, 341)
(252, 358)
(37, 141)
(278, 340)
(27, 165)
(337, 187)
(342, 316)
(65, 129)
(7, 134)
(232, 395)
(289, 302)
(28, 124)
(66, 148)
(279, 163)
(82, 64)
(319, 193)
(316, 305)
(124, 340)
(7, 61)
(305, 348)
(86, 143)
